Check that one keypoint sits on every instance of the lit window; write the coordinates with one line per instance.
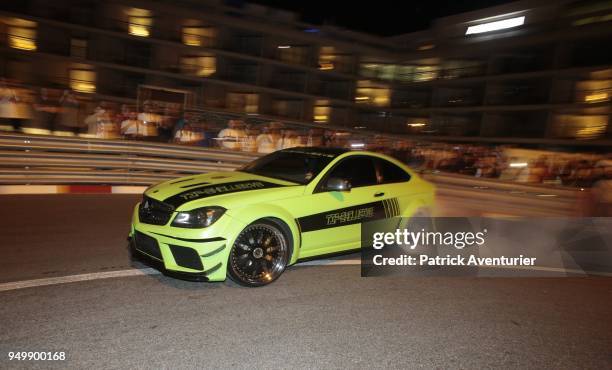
(202, 66)
(83, 80)
(580, 127)
(416, 124)
(327, 58)
(425, 73)
(593, 91)
(198, 36)
(139, 22)
(596, 97)
(321, 111)
(248, 103)
(381, 71)
(369, 70)
(496, 26)
(371, 93)
(426, 47)
(252, 104)
(21, 34)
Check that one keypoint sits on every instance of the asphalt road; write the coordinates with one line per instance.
(63, 234)
(312, 317)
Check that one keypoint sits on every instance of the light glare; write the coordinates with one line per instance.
(495, 26)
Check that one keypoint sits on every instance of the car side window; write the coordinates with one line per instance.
(390, 173)
(359, 170)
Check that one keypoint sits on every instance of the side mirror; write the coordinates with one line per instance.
(337, 184)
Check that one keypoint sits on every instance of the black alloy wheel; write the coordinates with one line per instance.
(259, 255)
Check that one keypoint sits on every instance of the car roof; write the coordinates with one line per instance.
(317, 150)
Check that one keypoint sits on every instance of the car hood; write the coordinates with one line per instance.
(220, 188)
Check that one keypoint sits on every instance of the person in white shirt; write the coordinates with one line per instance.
(266, 141)
(290, 139)
(149, 121)
(129, 126)
(249, 144)
(232, 136)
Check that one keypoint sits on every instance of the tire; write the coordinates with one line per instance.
(260, 254)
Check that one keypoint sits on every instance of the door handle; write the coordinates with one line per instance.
(379, 194)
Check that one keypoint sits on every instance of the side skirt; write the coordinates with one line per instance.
(329, 255)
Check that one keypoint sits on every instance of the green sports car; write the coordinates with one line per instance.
(291, 205)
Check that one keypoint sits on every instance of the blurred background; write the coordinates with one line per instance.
(506, 108)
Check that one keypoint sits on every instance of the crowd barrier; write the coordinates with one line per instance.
(33, 159)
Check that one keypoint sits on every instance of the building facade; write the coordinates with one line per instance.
(533, 72)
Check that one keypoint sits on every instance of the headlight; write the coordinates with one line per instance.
(198, 218)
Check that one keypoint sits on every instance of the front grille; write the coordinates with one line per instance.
(186, 257)
(147, 244)
(154, 212)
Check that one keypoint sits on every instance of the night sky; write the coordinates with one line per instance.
(380, 17)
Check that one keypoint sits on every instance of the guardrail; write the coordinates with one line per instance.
(32, 159)
(462, 195)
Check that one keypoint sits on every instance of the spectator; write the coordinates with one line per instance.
(290, 139)
(130, 124)
(68, 120)
(249, 144)
(265, 141)
(232, 136)
(13, 110)
(166, 125)
(47, 108)
(91, 121)
(315, 137)
(106, 127)
(182, 128)
(149, 121)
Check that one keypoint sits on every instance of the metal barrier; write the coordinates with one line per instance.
(31, 159)
(460, 196)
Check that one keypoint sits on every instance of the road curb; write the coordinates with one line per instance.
(70, 189)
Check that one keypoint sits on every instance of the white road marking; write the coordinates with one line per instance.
(76, 278)
(551, 269)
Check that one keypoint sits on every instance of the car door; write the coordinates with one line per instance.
(333, 218)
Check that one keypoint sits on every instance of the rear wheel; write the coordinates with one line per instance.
(259, 254)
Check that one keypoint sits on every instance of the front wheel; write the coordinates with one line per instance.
(259, 254)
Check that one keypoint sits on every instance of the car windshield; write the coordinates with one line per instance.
(290, 165)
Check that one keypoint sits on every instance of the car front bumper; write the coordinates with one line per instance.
(188, 254)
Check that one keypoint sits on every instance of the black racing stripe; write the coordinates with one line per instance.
(217, 189)
(343, 216)
(192, 185)
(206, 240)
(386, 205)
(183, 180)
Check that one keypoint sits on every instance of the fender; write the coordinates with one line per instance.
(252, 213)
